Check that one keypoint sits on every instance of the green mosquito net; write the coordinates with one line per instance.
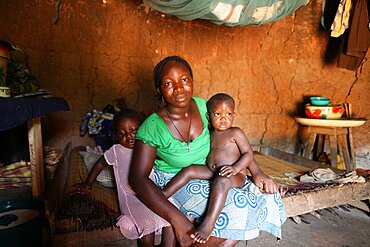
(228, 12)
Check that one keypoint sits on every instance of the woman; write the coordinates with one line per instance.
(177, 136)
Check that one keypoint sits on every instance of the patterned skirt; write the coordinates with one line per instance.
(246, 210)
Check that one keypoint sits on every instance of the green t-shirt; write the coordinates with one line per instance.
(172, 155)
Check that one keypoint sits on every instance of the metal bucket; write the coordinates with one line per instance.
(21, 223)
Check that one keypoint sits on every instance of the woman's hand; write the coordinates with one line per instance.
(264, 183)
(183, 230)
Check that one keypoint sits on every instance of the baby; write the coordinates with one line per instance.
(230, 156)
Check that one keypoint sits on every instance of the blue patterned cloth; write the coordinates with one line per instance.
(246, 211)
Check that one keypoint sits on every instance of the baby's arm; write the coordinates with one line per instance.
(184, 176)
(263, 181)
(98, 166)
(247, 160)
(246, 154)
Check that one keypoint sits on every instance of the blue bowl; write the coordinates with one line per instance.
(319, 101)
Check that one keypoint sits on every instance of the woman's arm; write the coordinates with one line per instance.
(141, 166)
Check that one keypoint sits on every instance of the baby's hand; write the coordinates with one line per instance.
(264, 183)
(227, 171)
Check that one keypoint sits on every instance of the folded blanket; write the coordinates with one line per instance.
(15, 175)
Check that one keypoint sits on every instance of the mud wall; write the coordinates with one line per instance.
(99, 51)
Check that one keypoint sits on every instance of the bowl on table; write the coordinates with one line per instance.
(5, 92)
(324, 112)
(319, 101)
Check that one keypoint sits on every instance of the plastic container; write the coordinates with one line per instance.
(319, 101)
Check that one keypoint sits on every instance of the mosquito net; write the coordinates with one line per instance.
(228, 12)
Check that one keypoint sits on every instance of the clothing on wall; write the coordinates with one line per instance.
(357, 39)
(341, 20)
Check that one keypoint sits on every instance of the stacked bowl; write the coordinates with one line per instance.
(321, 109)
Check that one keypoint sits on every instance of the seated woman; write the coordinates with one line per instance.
(177, 136)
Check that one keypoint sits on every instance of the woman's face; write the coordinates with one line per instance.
(177, 84)
(126, 131)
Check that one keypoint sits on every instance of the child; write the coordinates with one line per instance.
(137, 221)
(229, 157)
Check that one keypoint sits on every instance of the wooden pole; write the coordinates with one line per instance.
(36, 157)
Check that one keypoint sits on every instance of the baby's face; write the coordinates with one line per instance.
(222, 116)
(126, 131)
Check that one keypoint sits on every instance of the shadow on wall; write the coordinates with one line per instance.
(334, 45)
(300, 109)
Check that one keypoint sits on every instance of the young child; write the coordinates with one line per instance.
(227, 163)
(137, 221)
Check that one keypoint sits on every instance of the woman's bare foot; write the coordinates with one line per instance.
(202, 233)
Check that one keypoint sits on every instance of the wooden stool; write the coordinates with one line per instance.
(338, 137)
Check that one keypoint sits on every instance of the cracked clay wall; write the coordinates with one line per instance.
(102, 50)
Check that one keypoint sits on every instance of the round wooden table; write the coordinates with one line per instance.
(339, 132)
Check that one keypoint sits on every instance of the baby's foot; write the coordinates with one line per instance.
(202, 234)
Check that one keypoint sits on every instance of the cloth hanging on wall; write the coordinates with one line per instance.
(228, 12)
(341, 20)
(357, 39)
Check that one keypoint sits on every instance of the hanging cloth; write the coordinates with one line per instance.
(228, 12)
(357, 40)
(341, 20)
(323, 13)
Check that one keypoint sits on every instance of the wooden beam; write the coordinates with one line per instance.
(328, 197)
(36, 157)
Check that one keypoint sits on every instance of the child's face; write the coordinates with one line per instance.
(177, 84)
(126, 131)
(222, 116)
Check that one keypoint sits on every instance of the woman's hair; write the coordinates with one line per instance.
(159, 68)
(220, 97)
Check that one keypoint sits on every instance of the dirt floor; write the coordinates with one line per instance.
(343, 226)
(337, 227)
(340, 226)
